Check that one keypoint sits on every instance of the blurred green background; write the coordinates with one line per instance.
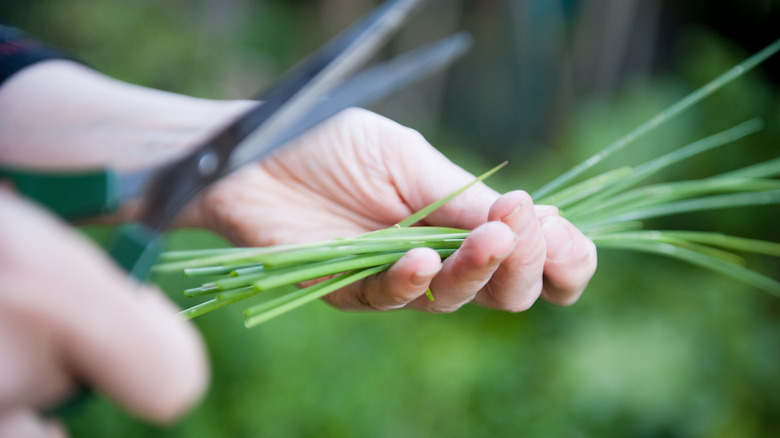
(653, 349)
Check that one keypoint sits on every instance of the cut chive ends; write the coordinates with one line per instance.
(609, 208)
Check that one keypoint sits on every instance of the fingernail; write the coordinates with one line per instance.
(521, 218)
(559, 241)
(509, 215)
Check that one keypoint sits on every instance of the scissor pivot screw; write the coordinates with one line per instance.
(208, 163)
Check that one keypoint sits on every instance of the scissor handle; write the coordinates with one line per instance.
(70, 195)
(73, 196)
(135, 248)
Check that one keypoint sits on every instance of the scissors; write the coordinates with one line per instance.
(325, 83)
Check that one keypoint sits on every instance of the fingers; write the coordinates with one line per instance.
(517, 283)
(570, 262)
(453, 283)
(523, 253)
(553, 259)
(139, 354)
(25, 423)
(404, 282)
(70, 316)
(469, 269)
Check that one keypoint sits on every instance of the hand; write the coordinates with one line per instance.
(360, 172)
(68, 316)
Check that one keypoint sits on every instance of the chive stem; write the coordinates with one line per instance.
(665, 115)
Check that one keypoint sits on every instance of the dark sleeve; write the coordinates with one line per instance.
(18, 50)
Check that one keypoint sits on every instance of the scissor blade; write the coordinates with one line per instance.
(366, 87)
(349, 52)
(328, 65)
(175, 185)
(368, 32)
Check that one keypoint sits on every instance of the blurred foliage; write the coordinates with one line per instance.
(653, 349)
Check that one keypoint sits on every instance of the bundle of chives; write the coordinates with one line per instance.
(608, 208)
(246, 273)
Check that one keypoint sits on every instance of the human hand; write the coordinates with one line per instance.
(356, 173)
(360, 172)
(68, 316)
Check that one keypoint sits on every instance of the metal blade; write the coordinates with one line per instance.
(367, 87)
(384, 19)
(176, 184)
(350, 51)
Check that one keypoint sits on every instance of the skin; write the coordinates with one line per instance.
(362, 172)
(355, 173)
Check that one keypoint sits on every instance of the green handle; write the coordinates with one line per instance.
(84, 194)
(135, 248)
(72, 196)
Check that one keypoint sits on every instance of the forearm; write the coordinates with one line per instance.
(59, 114)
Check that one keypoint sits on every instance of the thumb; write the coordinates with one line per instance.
(70, 315)
(25, 424)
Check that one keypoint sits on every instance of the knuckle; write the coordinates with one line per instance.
(519, 299)
(536, 253)
(529, 257)
(380, 294)
(561, 298)
(577, 275)
(332, 300)
(341, 300)
(520, 306)
(364, 302)
(362, 296)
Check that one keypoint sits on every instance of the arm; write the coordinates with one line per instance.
(317, 189)
(68, 316)
(58, 114)
(355, 173)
